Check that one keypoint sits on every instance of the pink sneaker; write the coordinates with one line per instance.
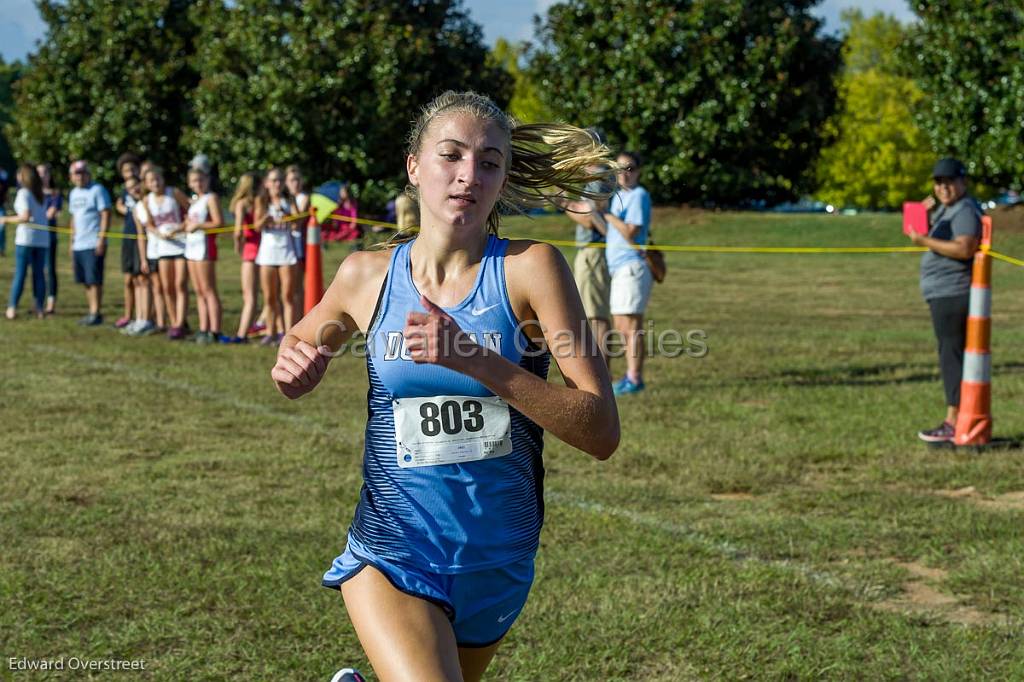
(122, 323)
(943, 433)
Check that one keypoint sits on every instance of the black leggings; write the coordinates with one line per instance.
(949, 318)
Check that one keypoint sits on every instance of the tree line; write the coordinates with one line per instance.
(729, 102)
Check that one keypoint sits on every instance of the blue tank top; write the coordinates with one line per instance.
(450, 518)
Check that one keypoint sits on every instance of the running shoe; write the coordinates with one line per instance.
(204, 338)
(141, 328)
(91, 320)
(269, 340)
(122, 322)
(175, 333)
(348, 675)
(256, 327)
(626, 386)
(943, 433)
(130, 327)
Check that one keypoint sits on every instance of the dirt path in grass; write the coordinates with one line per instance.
(921, 596)
(1005, 502)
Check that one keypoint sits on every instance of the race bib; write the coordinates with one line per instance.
(451, 429)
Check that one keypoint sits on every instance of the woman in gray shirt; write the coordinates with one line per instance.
(953, 236)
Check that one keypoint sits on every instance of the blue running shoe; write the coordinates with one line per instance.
(348, 675)
(625, 387)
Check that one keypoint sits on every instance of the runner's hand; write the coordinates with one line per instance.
(434, 337)
(299, 369)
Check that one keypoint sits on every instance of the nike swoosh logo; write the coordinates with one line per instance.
(502, 619)
(481, 311)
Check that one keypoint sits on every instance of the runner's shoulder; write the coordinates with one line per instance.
(363, 269)
(529, 257)
(533, 269)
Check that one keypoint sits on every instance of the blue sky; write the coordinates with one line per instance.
(21, 26)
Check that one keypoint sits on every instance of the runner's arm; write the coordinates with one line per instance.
(582, 413)
(308, 346)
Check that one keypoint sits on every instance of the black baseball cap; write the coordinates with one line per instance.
(949, 168)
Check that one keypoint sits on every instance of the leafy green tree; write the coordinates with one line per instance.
(968, 58)
(526, 104)
(9, 74)
(723, 98)
(331, 86)
(880, 157)
(108, 78)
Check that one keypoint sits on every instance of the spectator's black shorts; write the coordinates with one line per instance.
(130, 263)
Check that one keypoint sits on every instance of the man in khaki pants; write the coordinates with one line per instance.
(590, 267)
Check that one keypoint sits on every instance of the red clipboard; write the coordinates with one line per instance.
(915, 218)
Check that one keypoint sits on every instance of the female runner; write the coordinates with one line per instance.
(439, 558)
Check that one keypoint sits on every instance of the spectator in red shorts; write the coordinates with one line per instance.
(247, 245)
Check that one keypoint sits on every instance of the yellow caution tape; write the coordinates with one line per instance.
(1005, 258)
(755, 249)
(668, 248)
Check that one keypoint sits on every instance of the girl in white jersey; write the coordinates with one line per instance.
(293, 180)
(276, 257)
(466, 158)
(165, 207)
(201, 254)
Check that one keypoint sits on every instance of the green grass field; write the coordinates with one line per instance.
(769, 514)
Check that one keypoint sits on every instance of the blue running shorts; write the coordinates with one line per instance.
(481, 605)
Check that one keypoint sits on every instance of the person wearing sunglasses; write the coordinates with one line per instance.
(629, 225)
(90, 219)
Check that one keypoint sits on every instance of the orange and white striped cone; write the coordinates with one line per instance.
(974, 420)
(314, 282)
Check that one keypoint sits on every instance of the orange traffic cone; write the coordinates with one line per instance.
(974, 422)
(314, 282)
